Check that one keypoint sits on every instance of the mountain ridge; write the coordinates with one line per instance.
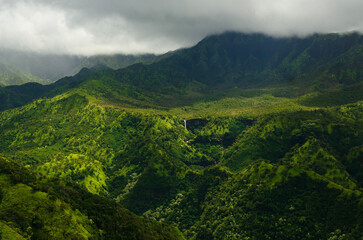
(232, 60)
(54, 67)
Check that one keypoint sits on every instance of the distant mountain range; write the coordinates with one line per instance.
(15, 76)
(53, 67)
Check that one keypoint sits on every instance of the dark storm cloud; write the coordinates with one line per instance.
(94, 26)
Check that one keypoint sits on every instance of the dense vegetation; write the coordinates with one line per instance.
(38, 208)
(220, 66)
(155, 167)
(259, 143)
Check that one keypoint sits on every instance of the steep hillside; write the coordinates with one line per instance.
(14, 76)
(246, 61)
(38, 208)
(227, 65)
(115, 62)
(268, 201)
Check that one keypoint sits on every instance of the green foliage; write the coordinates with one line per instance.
(314, 155)
(354, 163)
(273, 136)
(40, 208)
(157, 168)
(36, 214)
(302, 206)
(342, 96)
(8, 233)
(226, 66)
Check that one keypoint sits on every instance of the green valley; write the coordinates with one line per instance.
(239, 137)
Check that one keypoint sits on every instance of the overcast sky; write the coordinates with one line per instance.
(155, 26)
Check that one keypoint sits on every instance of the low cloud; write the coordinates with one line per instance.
(90, 27)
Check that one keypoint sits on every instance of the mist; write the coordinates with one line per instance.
(92, 27)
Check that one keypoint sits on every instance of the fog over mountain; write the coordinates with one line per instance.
(94, 27)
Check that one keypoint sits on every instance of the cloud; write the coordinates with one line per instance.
(137, 26)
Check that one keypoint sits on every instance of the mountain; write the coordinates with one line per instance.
(54, 67)
(46, 66)
(115, 61)
(240, 137)
(228, 64)
(14, 76)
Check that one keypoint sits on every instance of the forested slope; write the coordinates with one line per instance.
(225, 64)
(39, 208)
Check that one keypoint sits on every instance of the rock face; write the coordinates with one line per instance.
(195, 122)
(248, 122)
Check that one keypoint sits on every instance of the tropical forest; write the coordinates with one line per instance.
(241, 136)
